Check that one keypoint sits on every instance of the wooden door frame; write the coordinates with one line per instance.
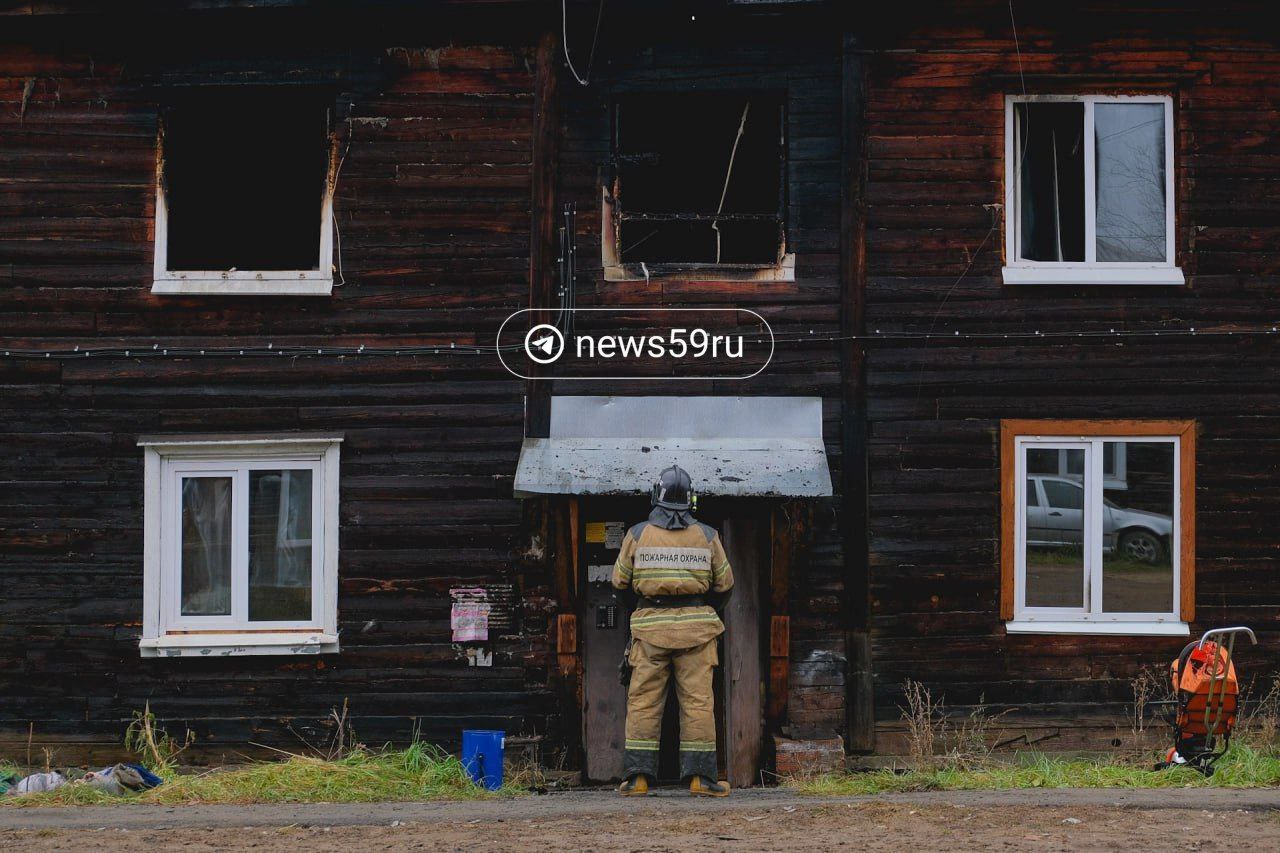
(789, 522)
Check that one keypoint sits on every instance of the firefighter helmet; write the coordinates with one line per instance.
(674, 489)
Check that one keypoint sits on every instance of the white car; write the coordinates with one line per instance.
(1055, 517)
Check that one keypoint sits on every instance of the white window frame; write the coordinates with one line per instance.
(1090, 271)
(1090, 619)
(169, 459)
(311, 282)
(1116, 477)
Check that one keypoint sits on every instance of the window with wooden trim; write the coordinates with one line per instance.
(698, 184)
(1089, 180)
(244, 198)
(1098, 526)
(241, 545)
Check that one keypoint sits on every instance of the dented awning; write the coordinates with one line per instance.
(732, 446)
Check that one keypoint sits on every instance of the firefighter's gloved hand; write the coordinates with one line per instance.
(624, 666)
(718, 600)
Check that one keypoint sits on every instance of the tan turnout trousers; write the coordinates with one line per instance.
(654, 667)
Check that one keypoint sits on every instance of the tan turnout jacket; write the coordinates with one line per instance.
(655, 561)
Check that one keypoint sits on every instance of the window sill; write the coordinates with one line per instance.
(1132, 629)
(229, 645)
(1161, 276)
(245, 284)
(784, 271)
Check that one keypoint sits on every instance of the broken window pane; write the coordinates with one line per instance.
(700, 178)
(1051, 183)
(280, 546)
(1130, 181)
(245, 172)
(206, 546)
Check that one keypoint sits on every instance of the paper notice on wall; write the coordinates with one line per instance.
(599, 574)
(614, 531)
(469, 617)
(595, 532)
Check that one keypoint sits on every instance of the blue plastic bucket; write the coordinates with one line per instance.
(482, 756)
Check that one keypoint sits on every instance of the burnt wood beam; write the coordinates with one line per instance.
(542, 240)
(859, 698)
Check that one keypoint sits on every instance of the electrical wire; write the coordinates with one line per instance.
(564, 41)
(1004, 206)
(159, 350)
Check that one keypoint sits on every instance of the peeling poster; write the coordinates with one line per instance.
(469, 617)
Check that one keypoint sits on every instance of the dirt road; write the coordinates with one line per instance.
(750, 820)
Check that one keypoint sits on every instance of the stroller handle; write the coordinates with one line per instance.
(1231, 632)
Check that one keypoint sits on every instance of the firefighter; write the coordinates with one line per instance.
(677, 570)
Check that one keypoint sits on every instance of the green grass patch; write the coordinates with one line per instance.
(420, 772)
(1241, 767)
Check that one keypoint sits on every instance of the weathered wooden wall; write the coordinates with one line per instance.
(661, 47)
(936, 84)
(437, 128)
(433, 208)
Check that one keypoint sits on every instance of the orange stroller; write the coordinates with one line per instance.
(1207, 699)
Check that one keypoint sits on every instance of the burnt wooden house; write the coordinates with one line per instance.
(262, 456)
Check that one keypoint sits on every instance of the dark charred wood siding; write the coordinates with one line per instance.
(936, 85)
(660, 47)
(436, 118)
(433, 209)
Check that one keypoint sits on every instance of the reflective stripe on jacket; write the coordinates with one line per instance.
(656, 562)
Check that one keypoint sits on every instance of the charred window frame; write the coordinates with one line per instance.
(244, 191)
(697, 183)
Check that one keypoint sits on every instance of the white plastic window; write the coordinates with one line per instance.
(1093, 554)
(241, 545)
(1090, 184)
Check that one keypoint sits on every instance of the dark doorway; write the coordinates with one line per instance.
(743, 526)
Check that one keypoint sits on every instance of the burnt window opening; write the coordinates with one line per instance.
(699, 178)
(245, 174)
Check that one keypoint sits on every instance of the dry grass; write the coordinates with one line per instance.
(341, 771)
(926, 722)
(420, 772)
(946, 757)
(1151, 684)
(1242, 767)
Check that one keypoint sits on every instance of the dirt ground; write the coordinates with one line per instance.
(1057, 821)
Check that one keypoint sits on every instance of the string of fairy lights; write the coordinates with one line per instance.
(270, 349)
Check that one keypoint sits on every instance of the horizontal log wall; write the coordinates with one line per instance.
(936, 85)
(433, 210)
(659, 47)
(433, 207)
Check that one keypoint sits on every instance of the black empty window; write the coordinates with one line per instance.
(699, 178)
(1051, 144)
(245, 171)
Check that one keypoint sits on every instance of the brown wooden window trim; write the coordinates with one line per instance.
(1184, 430)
